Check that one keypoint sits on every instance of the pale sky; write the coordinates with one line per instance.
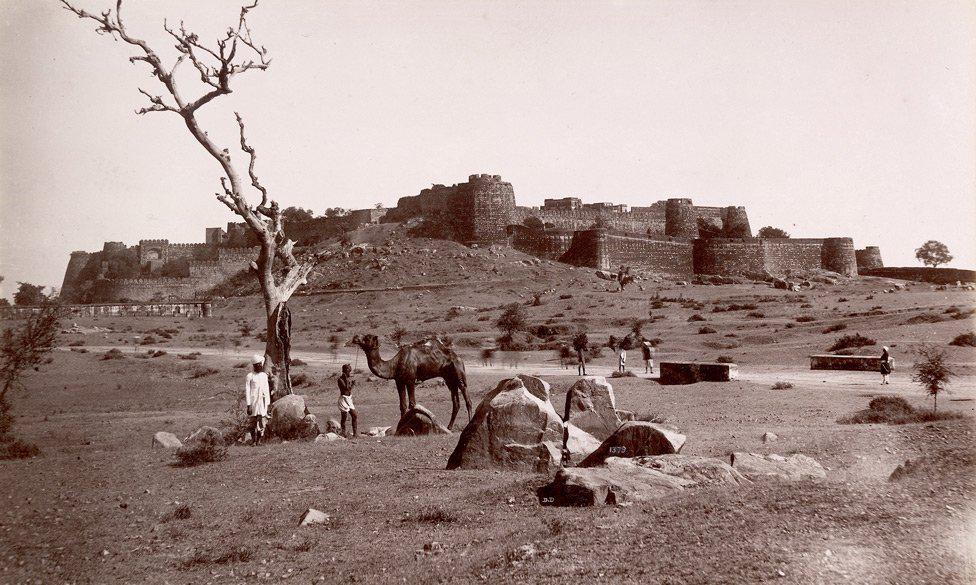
(830, 118)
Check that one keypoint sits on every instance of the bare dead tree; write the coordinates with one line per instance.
(279, 272)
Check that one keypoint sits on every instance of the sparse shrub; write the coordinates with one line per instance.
(848, 341)
(189, 356)
(757, 315)
(782, 386)
(181, 512)
(924, 318)
(239, 365)
(895, 410)
(624, 374)
(157, 353)
(148, 340)
(432, 515)
(805, 319)
(297, 362)
(113, 354)
(725, 359)
(203, 372)
(964, 340)
(18, 449)
(844, 299)
(834, 327)
(696, 317)
(301, 380)
(706, 331)
(79, 350)
(789, 325)
(806, 306)
(565, 297)
(76, 343)
(557, 526)
(207, 449)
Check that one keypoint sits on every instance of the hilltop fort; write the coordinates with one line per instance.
(672, 236)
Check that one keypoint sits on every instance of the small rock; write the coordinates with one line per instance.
(166, 440)
(313, 516)
(769, 437)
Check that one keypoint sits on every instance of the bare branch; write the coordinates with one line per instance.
(254, 157)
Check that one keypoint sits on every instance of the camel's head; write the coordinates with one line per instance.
(367, 342)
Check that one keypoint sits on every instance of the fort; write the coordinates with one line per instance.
(671, 236)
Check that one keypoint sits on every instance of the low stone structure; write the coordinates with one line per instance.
(692, 372)
(856, 363)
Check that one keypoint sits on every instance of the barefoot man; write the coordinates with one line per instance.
(345, 398)
(257, 396)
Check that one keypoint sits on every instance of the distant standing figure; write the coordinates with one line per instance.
(622, 360)
(346, 405)
(257, 396)
(580, 362)
(648, 353)
(885, 365)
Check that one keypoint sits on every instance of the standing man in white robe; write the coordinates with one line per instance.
(257, 395)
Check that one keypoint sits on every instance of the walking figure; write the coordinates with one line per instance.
(885, 365)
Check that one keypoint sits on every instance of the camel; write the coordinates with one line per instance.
(423, 360)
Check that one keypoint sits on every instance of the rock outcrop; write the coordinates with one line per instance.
(290, 419)
(796, 466)
(419, 421)
(591, 406)
(516, 427)
(640, 479)
(635, 439)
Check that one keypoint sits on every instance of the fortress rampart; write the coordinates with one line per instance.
(869, 258)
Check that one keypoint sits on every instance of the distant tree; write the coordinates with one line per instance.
(335, 212)
(297, 214)
(512, 320)
(580, 341)
(398, 334)
(613, 342)
(378, 205)
(932, 253)
(932, 372)
(534, 223)
(29, 294)
(772, 232)
(637, 328)
(707, 229)
(3, 302)
(23, 349)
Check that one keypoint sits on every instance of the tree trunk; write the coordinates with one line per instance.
(278, 348)
(935, 403)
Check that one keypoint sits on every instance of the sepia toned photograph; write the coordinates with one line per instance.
(468, 291)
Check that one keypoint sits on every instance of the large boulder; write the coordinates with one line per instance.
(419, 421)
(796, 466)
(636, 438)
(516, 427)
(166, 440)
(590, 405)
(333, 426)
(638, 479)
(701, 470)
(612, 485)
(290, 419)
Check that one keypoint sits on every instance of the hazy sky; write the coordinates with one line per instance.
(825, 118)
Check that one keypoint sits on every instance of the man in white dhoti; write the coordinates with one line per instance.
(345, 399)
(257, 396)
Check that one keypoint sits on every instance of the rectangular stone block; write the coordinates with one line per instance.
(692, 372)
(857, 363)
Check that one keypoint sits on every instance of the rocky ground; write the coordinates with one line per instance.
(100, 505)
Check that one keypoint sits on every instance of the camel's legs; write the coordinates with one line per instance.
(402, 391)
(410, 388)
(463, 386)
(455, 404)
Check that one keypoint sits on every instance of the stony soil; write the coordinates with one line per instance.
(98, 505)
